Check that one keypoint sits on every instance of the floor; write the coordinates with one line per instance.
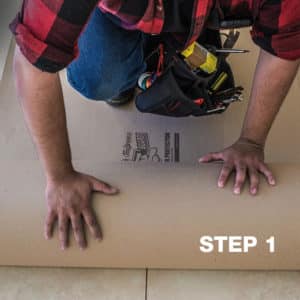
(90, 284)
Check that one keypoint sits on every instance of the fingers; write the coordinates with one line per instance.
(78, 230)
(267, 173)
(254, 180)
(77, 227)
(103, 187)
(247, 162)
(224, 175)
(240, 178)
(49, 224)
(211, 157)
(241, 175)
(92, 223)
(63, 230)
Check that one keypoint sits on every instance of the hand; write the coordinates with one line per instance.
(246, 158)
(69, 201)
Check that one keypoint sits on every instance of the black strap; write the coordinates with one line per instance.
(217, 20)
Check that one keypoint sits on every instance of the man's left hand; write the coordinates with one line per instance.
(246, 158)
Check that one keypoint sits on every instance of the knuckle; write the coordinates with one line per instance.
(73, 207)
(77, 229)
(48, 225)
(223, 177)
(51, 210)
(239, 181)
(264, 167)
(269, 173)
(254, 183)
(62, 210)
(62, 243)
(50, 219)
(61, 229)
(257, 161)
(241, 174)
(241, 168)
(85, 206)
(226, 168)
(254, 178)
(92, 222)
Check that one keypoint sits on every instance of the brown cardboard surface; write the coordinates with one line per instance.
(164, 207)
(157, 219)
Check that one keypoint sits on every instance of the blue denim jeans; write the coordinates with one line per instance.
(110, 61)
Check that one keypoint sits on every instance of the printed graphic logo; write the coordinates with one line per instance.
(138, 147)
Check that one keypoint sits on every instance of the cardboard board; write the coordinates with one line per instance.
(155, 225)
(167, 200)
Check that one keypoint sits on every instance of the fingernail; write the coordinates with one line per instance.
(237, 191)
(272, 182)
(83, 247)
(220, 184)
(114, 190)
(253, 191)
(63, 248)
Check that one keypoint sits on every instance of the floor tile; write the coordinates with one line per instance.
(73, 284)
(216, 285)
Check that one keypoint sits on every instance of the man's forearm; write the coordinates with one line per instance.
(272, 81)
(41, 97)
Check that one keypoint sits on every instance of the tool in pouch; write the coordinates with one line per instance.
(197, 81)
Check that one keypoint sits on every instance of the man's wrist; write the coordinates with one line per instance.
(60, 172)
(243, 139)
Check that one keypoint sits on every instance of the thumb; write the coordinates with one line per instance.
(100, 186)
(211, 157)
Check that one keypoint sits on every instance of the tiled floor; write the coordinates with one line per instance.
(223, 285)
(71, 284)
(90, 284)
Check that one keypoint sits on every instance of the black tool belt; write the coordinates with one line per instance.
(179, 91)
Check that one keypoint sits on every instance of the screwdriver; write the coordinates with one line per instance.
(229, 50)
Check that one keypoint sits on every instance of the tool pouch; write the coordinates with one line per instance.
(179, 92)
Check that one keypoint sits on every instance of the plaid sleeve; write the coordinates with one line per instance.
(47, 31)
(277, 28)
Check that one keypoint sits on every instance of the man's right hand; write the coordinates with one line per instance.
(69, 201)
(68, 192)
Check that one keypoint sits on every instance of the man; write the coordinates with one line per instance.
(109, 62)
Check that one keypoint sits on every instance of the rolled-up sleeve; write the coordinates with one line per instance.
(277, 28)
(47, 31)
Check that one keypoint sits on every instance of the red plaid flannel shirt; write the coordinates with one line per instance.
(47, 31)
